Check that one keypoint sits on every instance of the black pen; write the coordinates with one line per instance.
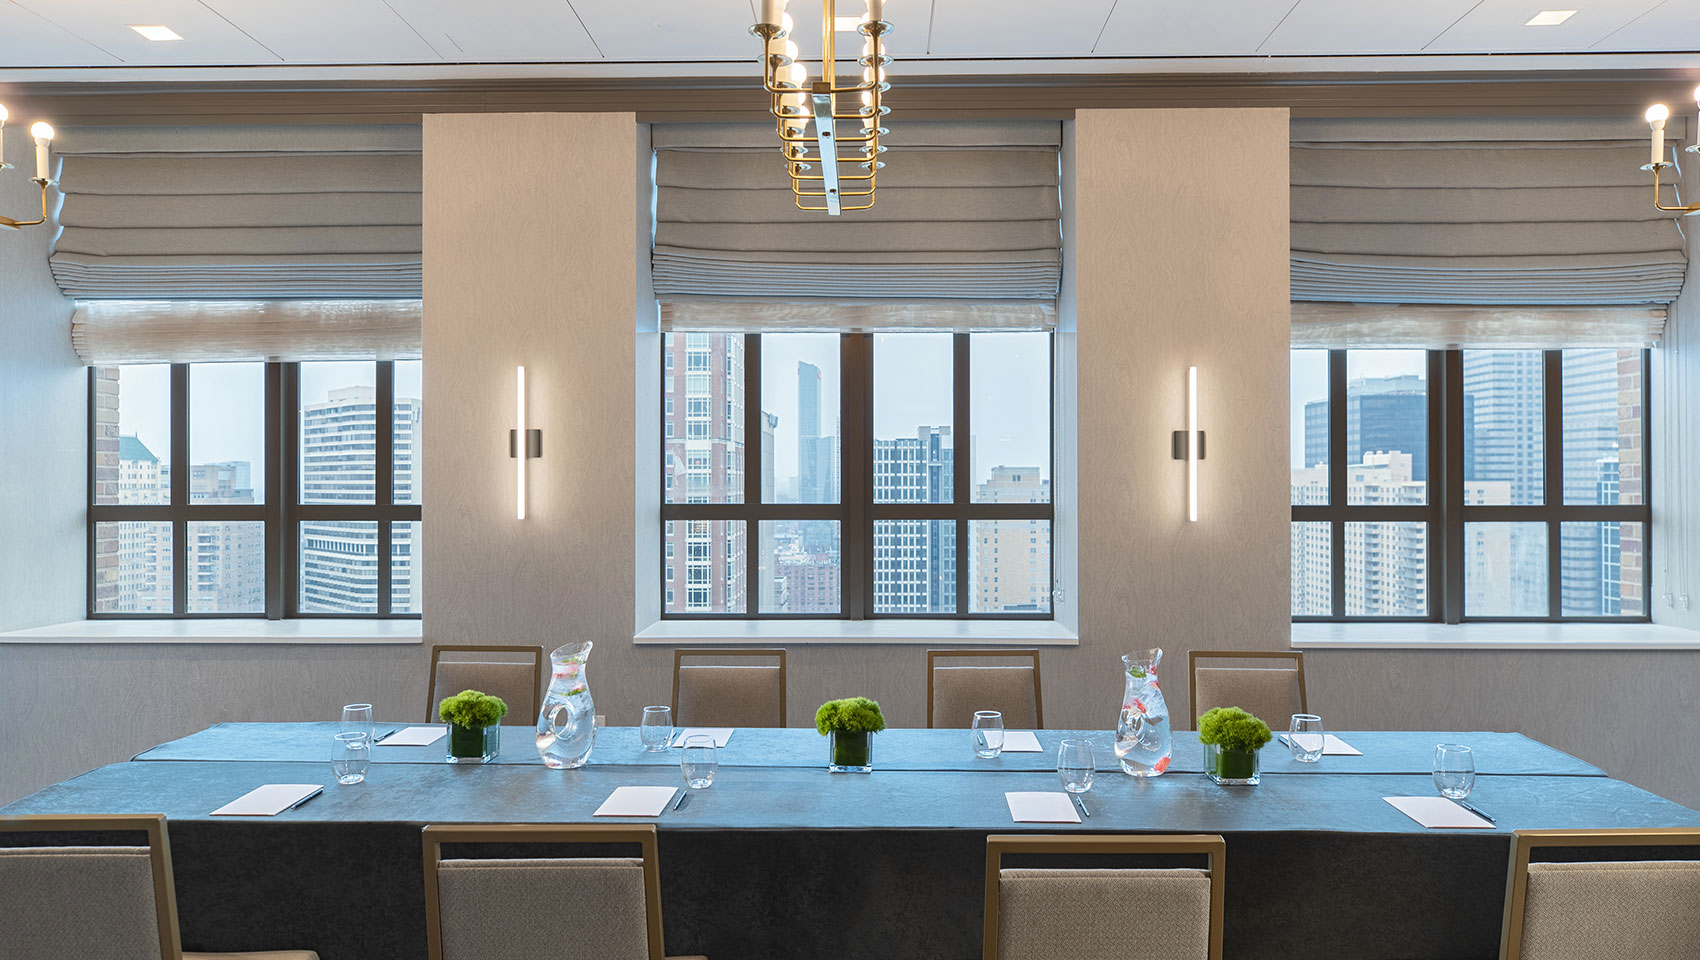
(385, 736)
(1475, 811)
(306, 798)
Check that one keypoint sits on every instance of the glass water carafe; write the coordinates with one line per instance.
(1142, 733)
(566, 726)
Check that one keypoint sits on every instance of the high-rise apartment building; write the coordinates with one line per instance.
(1012, 558)
(704, 394)
(914, 560)
(1383, 415)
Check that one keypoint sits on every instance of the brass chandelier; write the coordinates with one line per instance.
(827, 169)
(43, 134)
(1657, 114)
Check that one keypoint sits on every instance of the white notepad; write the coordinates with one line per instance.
(1041, 808)
(636, 802)
(1438, 813)
(1021, 741)
(1332, 746)
(413, 737)
(269, 800)
(720, 735)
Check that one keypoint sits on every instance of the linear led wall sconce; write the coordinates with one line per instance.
(1188, 444)
(533, 441)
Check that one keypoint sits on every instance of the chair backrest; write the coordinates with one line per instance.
(89, 902)
(1646, 909)
(1271, 692)
(957, 687)
(749, 693)
(490, 909)
(1035, 913)
(518, 682)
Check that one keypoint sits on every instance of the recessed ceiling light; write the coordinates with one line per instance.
(155, 32)
(846, 24)
(1550, 18)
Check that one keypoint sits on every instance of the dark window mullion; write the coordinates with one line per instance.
(383, 474)
(753, 454)
(1440, 457)
(180, 470)
(275, 495)
(1552, 367)
(289, 499)
(856, 537)
(1337, 497)
(92, 545)
(1452, 560)
(962, 428)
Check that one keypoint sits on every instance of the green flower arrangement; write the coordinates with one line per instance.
(1231, 739)
(469, 708)
(851, 723)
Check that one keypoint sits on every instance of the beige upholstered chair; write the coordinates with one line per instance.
(1042, 913)
(1271, 693)
(743, 694)
(96, 902)
(1646, 909)
(955, 690)
(517, 681)
(488, 909)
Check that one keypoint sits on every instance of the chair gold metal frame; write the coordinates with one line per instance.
(643, 835)
(1523, 842)
(1000, 845)
(1026, 654)
(159, 856)
(438, 649)
(1193, 656)
(680, 653)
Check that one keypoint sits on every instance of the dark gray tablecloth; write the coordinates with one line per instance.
(775, 862)
(1386, 751)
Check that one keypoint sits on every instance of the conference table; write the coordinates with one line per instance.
(781, 859)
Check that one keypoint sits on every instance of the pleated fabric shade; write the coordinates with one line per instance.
(965, 210)
(188, 331)
(247, 212)
(1463, 211)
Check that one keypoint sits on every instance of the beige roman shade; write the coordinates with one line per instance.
(1528, 212)
(187, 331)
(1430, 326)
(965, 230)
(213, 213)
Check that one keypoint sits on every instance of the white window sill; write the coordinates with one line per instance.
(221, 631)
(992, 633)
(1492, 636)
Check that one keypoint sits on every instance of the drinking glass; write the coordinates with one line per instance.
(1454, 770)
(357, 718)
(1075, 766)
(350, 756)
(988, 734)
(697, 762)
(657, 728)
(1305, 737)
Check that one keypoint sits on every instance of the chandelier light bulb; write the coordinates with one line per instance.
(41, 130)
(772, 11)
(1657, 114)
(43, 134)
(1696, 95)
(3, 113)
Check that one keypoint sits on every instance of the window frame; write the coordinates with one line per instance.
(282, 512)
(856, 511)
(1445, 513)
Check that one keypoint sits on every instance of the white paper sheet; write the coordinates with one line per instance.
(269, 800)
(720, 735)
(413, 737)
(1021, 741)
(636, 802)
(1041, 808)
(1438, 813)
(1332, 746)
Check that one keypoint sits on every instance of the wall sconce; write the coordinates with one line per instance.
(1188, 444)
(533, 441)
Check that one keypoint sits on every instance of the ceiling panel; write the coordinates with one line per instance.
(26, 40)
(207, 37)
(328, 31)
(671, 29)
(1141, 28)
(1672, 25)
(498, 31)
(1362, 26)
(1500, 26)
(965, 28)
(907, 40)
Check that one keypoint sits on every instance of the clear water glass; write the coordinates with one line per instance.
(657, 728)
(988, 734)
(1306, 738)
(698, 762)
(351, 754)
(357, 718)
(1075, 766)
(1454, 770)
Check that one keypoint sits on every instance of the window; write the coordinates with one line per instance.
(831, 486)
(255, 489)
(1469, 484)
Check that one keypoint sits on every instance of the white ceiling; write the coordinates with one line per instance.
(60, 39)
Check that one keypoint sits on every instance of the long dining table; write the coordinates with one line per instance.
(782, 859)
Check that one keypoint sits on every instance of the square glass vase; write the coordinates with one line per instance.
(1231, 767)
(474, 744)
(849, 752)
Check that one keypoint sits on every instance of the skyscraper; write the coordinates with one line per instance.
(914, 560)
(1012, 558)
(1383, 415)
(704, 383)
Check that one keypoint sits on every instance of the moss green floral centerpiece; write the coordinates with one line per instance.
(1231, 739)
(474, 721)
(850, 725)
